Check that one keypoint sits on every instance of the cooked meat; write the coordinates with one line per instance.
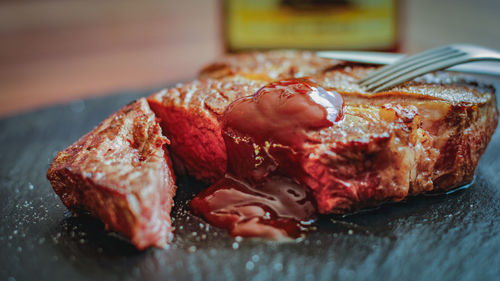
(426, 135)
(191, 114)
(121, 174)
(190, 118)
(436, 129)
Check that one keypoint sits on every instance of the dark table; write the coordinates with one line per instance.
(441, 237)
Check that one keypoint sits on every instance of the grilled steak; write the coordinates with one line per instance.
(423, 136)
(426, 135)
(120, 173)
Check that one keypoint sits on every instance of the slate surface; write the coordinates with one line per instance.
(444, 237)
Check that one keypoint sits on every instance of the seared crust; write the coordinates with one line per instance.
(425, 135)
(120, 173)
(442, 125)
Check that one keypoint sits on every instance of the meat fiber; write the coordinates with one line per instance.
(426, 135)
(121, 174)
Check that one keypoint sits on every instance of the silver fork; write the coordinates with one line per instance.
(431, 60)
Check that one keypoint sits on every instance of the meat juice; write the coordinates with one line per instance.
(261, 194)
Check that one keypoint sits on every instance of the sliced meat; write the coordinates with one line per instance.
(121, 174)
(425, 135)
(190, 117)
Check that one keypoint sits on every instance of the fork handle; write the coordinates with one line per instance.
(478, 67)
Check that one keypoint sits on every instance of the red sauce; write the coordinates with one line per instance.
(261, 194)
(273, 208)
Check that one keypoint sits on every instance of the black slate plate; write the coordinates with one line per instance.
(444, 237)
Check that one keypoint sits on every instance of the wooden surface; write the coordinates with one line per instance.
(55, 51)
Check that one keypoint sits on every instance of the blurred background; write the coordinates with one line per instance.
(56, 51)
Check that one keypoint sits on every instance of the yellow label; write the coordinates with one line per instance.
(263, 24)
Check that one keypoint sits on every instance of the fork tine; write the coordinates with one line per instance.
(406, 62)
(435, 59)
(412, 68)
(403, 60)
(422, 70)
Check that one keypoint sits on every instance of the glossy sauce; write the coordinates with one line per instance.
(261, 194)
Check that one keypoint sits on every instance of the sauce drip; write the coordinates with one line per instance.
(261, 194)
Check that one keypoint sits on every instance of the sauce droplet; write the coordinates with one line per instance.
(262, 194)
